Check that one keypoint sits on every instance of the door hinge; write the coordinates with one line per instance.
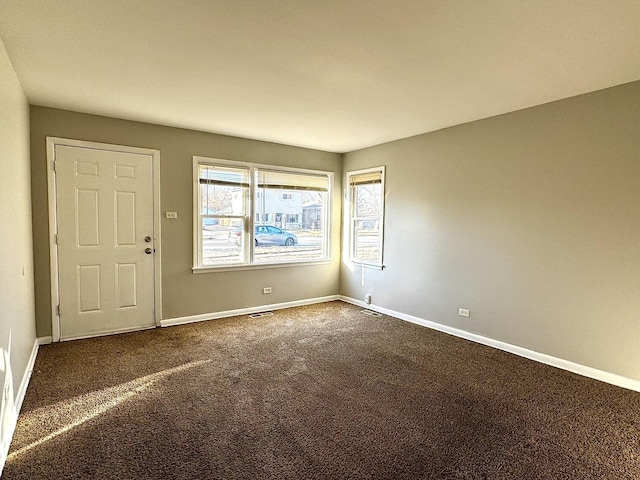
(55, 165)
(56, 238)
(58, 309)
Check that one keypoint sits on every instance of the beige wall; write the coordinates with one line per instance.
(184, 293)
(17, 327)
(531, 220)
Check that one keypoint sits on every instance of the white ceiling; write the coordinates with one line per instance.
(326, 74)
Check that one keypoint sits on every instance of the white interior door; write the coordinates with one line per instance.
(105, 214)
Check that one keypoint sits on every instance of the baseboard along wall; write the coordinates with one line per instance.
(5, 442)
(583, 370)
(579, 369)
(245, 311)
(563, 364)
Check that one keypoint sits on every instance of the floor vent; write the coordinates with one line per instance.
(371, 313)
(260, 314)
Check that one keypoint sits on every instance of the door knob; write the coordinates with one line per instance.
(147, 239)
(148, 251)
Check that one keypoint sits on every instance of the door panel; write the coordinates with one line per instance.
(89, 291)
(105, 211)
(125, 218)
(126, 280)
(88, 217)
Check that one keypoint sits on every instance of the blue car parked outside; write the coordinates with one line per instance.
(267, 235)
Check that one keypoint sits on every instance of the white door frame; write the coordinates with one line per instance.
(52, 142)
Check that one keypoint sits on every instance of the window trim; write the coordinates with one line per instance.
(250, 213)
(350, 217)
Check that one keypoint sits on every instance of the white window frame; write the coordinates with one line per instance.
(250, 215)
(351, 219)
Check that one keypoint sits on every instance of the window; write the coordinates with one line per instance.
(247, 214)
(365, 215)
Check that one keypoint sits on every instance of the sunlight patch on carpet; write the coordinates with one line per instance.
(69, 414)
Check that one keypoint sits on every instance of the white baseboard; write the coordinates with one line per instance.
(5, 442)
(583, 370)
(26, 377)
(245, 311)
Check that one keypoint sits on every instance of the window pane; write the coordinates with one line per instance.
(223, 190)
(366, 240)
(292, 226)
(222, 241)
(223, 198)
(368, 200)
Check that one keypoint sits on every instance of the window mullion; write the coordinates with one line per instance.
(253, 194)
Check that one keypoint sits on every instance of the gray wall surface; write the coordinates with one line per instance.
(531, 220)
(183, 292)
(17, 321)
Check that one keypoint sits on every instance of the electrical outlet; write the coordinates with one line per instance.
(463, 312)
(171, 214)
(266, 290)
(367, 299)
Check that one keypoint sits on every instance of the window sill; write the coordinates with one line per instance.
(372, 266)
(235, 268)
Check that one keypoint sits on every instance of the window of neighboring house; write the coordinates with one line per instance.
(365, 216)
(240, 218)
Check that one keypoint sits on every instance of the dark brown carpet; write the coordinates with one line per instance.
(316, 392)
